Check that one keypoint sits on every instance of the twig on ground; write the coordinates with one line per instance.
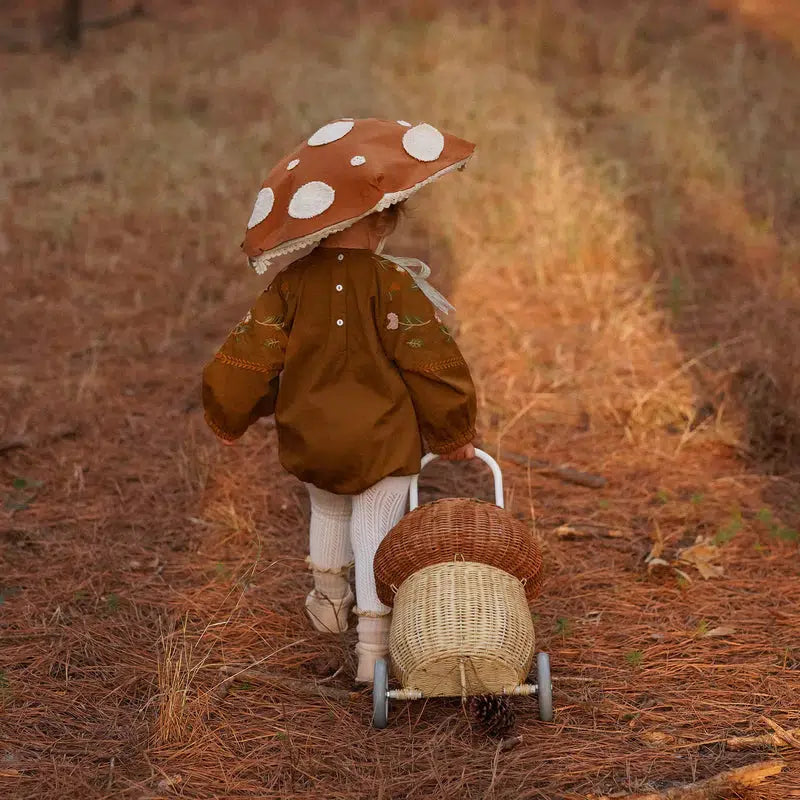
(288, 682)
(16, 43)
(789, 737)
(710, 788)
(101, 23)
(69, 30)
(566, 474)
(784, 739)
(87, 176)
(22, 442)
(780, 738)
(579, 531)
(331, 677)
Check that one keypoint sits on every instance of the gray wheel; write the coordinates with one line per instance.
(380, 698)
(545, 691)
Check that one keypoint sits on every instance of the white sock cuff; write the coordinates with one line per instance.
(328, 504)
(343, 569)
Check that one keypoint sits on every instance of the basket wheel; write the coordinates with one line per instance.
(380, 694)
(545, 687)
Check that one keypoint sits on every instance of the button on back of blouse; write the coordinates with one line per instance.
(339, 287)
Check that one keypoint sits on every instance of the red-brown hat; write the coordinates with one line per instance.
(348, 169)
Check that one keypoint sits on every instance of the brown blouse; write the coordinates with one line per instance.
(354, 362)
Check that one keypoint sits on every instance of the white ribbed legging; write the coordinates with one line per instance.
(347, 529)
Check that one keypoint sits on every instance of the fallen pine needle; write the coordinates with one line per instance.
(564, 473)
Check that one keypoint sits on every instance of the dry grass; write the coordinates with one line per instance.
(624, 256)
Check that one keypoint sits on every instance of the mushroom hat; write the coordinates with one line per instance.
(343, 172)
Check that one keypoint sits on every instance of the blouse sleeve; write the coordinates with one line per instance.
(241, 383)
(418, 342)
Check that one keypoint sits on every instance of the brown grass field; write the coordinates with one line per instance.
(624, 253)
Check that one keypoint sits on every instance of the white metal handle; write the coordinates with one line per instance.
(413, 492)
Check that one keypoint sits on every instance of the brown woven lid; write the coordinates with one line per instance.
(457, 529)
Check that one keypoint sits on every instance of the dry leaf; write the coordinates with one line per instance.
(683, 574)
(700, 555)
(656, 562)
(510, 742)
(170, 781)
(658, 739)
(658, 546)
(721, 630)
(568, 532)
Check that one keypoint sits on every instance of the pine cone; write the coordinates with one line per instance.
(494, 713)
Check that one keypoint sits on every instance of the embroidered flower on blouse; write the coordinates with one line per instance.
(272, 321)
(243, 326)
(392, 321)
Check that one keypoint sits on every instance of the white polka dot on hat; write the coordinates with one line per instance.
(311, 199)
(263, 205)
(331, 132)
(423, 142)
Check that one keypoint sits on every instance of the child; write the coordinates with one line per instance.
(348, 349)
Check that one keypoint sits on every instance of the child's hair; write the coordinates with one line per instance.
(390, 217)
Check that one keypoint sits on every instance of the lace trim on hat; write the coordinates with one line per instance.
(262, 262)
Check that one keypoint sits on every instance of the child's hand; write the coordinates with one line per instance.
(462, 454)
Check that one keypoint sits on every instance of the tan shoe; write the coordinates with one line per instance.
(373, 643)
(327, 615)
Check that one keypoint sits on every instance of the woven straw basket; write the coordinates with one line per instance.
(461, 628)
(457, 528)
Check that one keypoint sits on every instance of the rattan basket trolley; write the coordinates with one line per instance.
(461, 623)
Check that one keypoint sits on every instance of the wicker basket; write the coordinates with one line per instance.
(457, 528)
(459, 629)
